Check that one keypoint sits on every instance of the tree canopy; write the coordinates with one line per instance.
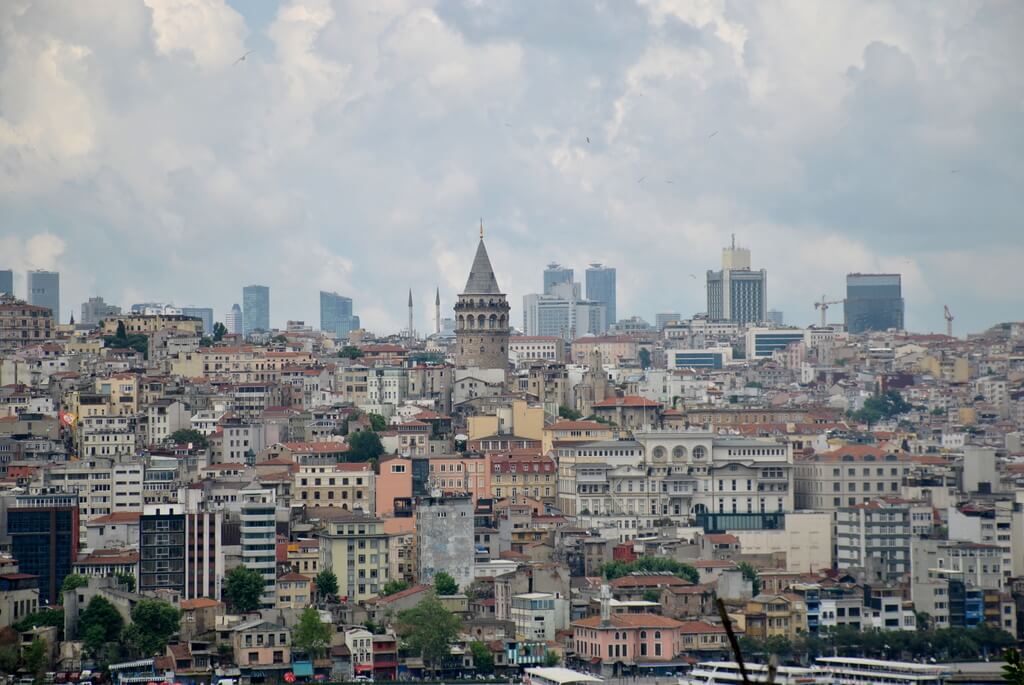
(377, 422)
(750, 573)
(617, 569)
(326, 583)
(219, 331)
(43, 617)
(568, 413)
(350, 352)
(394, 585)
(444, 584)
(153, 623)
(482, 657)
(428, 630)
(883, 406)
(98, 624)
(243, 588)
(363, 446)
(185, 436)
(311, 636)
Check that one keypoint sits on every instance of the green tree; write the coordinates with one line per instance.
(350, 352)
(98, 624)
(72, 581)
(185, 436)
(378, 423)
(243, 588)
(551, 658)
(363, 446)
(153, 623)
(311, 636)
(1013, 669)
(750, 573)
(43, 617)
(427, 631)
(326, 583)
(35, 658)
(884, 406)
(219, 331)
(394, 585)
(617, 569)
(126, 579)
(652, 595)
(444, 584)
(482, 657)
(568, 413)
(10, 642)
(121, 332)
(645, 358)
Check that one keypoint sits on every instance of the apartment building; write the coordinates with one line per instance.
(518, 475)
(849, 475)
(347, 486)
(354, 545)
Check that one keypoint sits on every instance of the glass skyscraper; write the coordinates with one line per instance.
(255, 308)
(43, 530)
(44, 291)
(874, 302)
(204, 313)
(601, 288)
(6, 281)
(555, 274)
(336, 314)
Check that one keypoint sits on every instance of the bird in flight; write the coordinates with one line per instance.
(667, 181)
(641, 179)
(242, 58)
(588, 139)
(954, 171)
(713, 134)
(694, 276)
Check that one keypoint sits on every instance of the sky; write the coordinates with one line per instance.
(358, 144)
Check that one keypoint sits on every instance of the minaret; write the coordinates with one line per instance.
(481, 317)
(437, 312)
(411, 336)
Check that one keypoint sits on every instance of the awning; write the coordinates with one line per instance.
(302, 669)
(661, 664)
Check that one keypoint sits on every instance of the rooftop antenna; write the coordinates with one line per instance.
(481, 228)
(734, 241)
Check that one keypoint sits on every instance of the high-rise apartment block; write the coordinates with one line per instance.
(181, 547)
(601, 289)
(95, 310)
(562, 313)
(233, 320)
(203, 313)
(737, 293)
(43, 529)
(556, 274)
(44, 291)
(874, 302)
(259, 537)
(6, 282)
(255, 309)
(444, 537)
(336, 314)
(22, 324)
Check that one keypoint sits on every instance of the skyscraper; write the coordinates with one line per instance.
(44, 538)
(481, 315)
(44, 291)
(95, 310)
(874, 302)
(336, 314)
(601, 288)
(204, 313)
(563, 313)
(255, 308)
(555, 274)
(663, 319)
(6, 281)
(233, 320)
(737, 293)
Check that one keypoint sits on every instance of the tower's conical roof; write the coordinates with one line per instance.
(481, 275)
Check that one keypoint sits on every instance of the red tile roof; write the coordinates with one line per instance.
(199, 603)
(628, 401)
(630, 621)
(117, 517)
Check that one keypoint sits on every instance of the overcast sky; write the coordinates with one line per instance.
(356, 148)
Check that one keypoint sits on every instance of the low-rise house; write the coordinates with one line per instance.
(293, 591)
(627, 643)
(260, 645)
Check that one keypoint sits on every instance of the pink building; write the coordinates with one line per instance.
(456, 475)
(394, 480)
(625, 643)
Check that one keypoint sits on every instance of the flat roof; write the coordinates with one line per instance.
(559, 674)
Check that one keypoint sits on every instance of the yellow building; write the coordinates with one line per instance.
(355, 546)
(294, 591)
(516, 476)
(346, 486)
(304, 557)
(123, 391)
(568, 432)
(782, 615)
(145, 324)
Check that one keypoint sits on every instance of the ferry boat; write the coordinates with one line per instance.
(728, 673)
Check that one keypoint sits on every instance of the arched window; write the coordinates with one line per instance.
(699, 452)
(462, 321)
(480, 320)
(657, 634)
(658, 452)
(469, 321)
(679, 452)
(494, 321)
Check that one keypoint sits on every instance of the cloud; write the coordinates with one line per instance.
(356, 149)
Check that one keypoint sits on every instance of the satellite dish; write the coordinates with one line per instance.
(462, 437)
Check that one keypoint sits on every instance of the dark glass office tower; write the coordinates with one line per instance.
(874, 302)
(44, 538)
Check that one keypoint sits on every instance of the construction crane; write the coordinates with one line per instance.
(823, 306)
(949, 320)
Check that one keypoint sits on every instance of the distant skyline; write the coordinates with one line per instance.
(355, 150)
